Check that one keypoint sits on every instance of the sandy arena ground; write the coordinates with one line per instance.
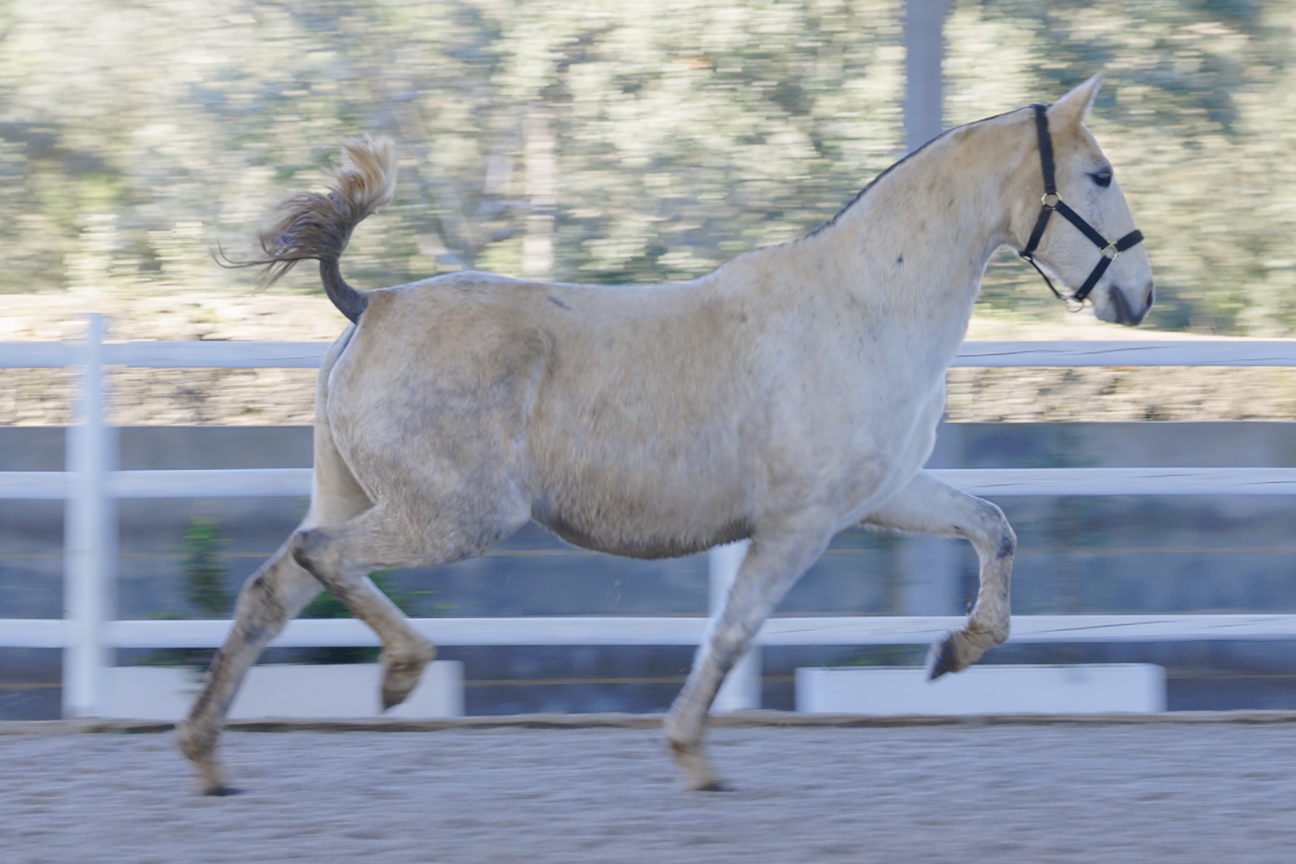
(1060, 792)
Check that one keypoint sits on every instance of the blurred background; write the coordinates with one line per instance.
(647, 141)
(635, 141)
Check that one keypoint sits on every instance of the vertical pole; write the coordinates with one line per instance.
(924, 20)
(928, 564)
(742, 686)
(89, 540)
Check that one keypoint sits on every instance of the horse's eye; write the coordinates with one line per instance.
(1102, 178)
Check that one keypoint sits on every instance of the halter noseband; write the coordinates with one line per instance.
(1052, 201)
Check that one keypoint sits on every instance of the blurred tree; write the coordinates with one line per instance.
(1196, 115)
(640, 141)
(205, 568)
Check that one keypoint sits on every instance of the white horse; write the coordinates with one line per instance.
(790, 394)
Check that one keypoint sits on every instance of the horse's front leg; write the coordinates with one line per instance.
(775, 560)
(270, 597)
(928, 506)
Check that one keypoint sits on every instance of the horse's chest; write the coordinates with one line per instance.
(893, 441)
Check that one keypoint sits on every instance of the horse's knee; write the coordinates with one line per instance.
(989, 634)
(196, 739)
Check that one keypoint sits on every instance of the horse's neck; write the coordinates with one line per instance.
(921, 236)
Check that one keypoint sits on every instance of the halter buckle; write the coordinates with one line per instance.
(1110, 252)
(1050, 199)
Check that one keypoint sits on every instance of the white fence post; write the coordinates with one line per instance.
(742, 687)
(89, 540)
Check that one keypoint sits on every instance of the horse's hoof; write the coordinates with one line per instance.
(692, 762)
(401, 675)
(940, 659)
(200, 750)
(222, 791)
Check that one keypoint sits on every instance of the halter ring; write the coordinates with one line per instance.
(1050, 199)
(1110, 252)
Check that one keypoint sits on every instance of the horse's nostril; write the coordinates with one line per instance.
(1151, 296)
(1126, 312)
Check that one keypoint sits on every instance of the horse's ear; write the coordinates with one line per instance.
(1072, 108)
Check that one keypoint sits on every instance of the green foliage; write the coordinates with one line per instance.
(885, 655)
(204, 581)
(135, 138)
(325, 605)
(205, 568)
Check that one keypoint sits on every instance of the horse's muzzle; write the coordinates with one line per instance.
(1125, 314)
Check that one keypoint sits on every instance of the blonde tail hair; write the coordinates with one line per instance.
(319, 225)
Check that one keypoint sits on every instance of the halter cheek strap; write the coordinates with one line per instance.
(1108, 249)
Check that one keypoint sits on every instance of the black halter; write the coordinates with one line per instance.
(1050, 202)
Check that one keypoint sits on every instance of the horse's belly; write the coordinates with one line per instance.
(651, 515)
(638, 541)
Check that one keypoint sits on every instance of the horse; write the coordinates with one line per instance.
(791, 393)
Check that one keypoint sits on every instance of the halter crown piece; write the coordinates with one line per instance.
(1052, 201)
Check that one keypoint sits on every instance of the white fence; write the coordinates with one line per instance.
(88, 635)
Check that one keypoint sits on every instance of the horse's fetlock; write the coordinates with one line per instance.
(414, 656)
(985, 635)
(192, 744)
(197, 743)
(690, 757)
(682, 729)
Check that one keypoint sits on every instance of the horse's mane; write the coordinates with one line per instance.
(860, 194)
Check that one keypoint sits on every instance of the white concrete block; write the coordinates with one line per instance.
(1134, 688)
(337, 692)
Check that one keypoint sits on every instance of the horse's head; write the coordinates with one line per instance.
(1083, 234)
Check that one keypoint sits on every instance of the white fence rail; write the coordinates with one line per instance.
(91, 485)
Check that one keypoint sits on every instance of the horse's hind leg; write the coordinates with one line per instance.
(928, 506)
(342, 557)
(774, 562)
(270, 597)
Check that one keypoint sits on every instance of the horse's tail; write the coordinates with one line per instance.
(314, 225)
